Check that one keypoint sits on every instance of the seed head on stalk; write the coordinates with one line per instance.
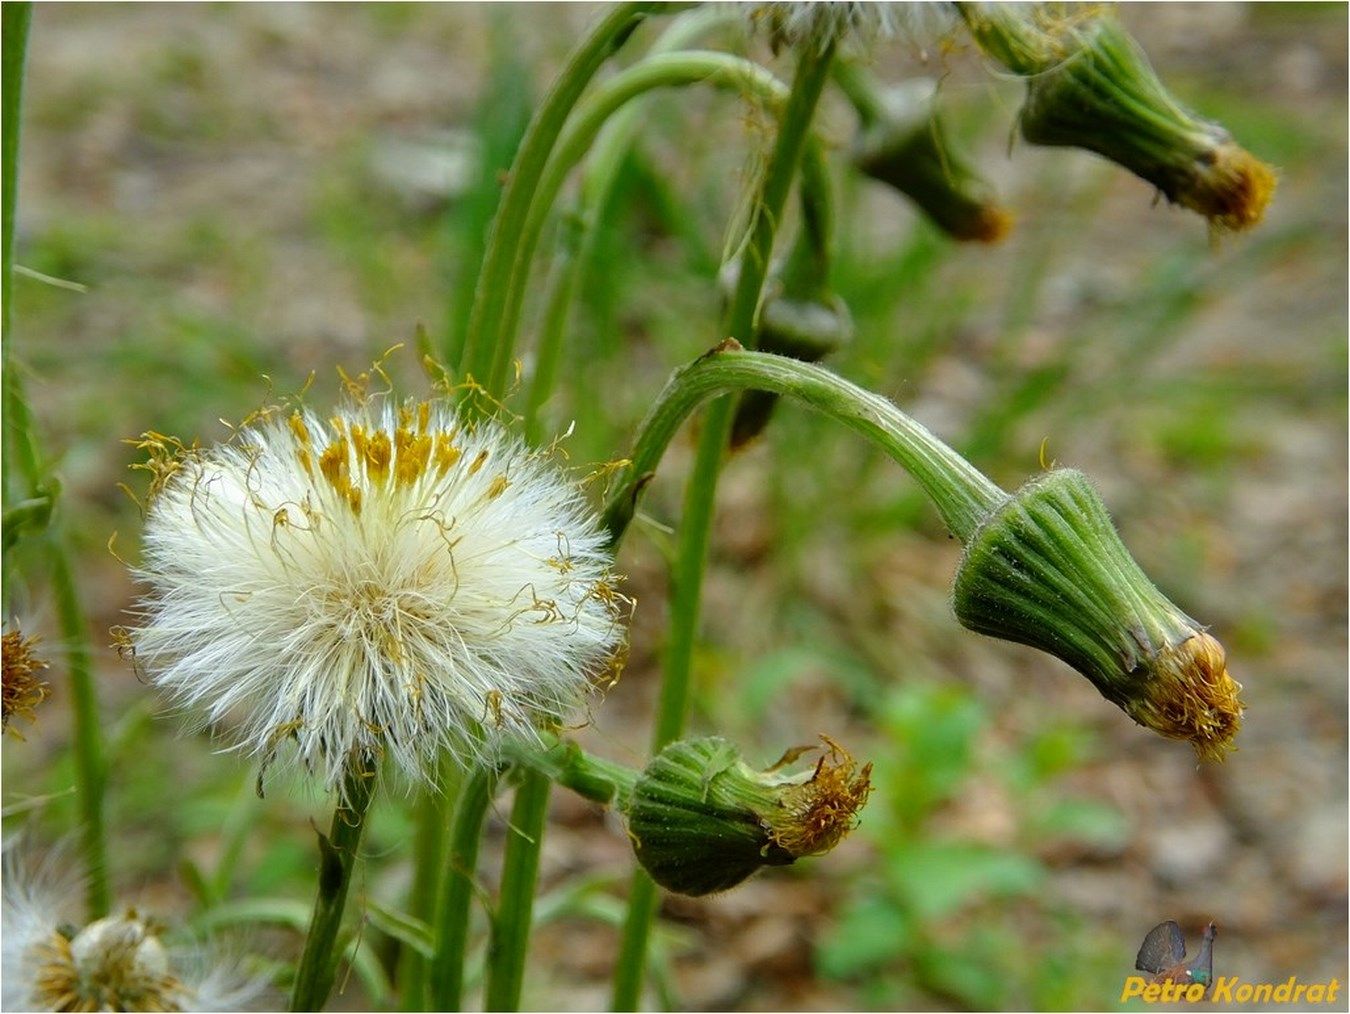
(118, 962)
(391, 580)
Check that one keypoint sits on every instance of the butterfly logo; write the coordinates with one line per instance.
(1163, 955)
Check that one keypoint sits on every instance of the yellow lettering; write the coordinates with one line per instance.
(1244, 992)
(1152, 992)
(1223, 989)
(1284, 992)
(1299, 990)
(1317, 992)
(1134, 986)
(1333, 988)
(1195, 992)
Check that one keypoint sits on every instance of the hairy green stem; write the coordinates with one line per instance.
(510, 937)
(565, 763)
(961, 493)
(794, 129)
(428, 859)
(485, 318)
(337, 856)
(451, 926)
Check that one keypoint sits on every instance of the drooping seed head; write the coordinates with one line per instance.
(1090, 85)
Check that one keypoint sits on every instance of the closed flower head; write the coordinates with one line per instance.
(388, 581)
(1089, 85)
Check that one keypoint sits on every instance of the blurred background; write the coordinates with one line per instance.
(231, 197)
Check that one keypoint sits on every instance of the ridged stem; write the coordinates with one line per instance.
(568, 765)
(508, 943)
(451, 925)
(794, 129)
(337, 856)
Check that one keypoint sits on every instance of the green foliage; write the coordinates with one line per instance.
(949, 915)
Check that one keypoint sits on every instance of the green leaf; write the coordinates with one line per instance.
(872, 932)
(937, 878)
(1086, 821)
(405, 928)
(282, 911)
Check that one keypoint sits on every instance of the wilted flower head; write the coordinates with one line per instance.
(1089, 85)
(1047, 568)
(24, 687)
(702, 820)
(390, 580)
(116, 963)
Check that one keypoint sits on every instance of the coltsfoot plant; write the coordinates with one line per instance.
(411, 588)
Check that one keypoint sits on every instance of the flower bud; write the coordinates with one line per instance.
(702, 820)
(1048, 569)
(1089, 85)
(905, 146)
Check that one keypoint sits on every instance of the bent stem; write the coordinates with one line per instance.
(667, 70)
(485, 317)
(337, 855)
(509, 940)
(812, 72)
(451, 928)
(961, 493)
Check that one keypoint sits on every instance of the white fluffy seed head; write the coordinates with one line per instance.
(388, 581)
(114, 963)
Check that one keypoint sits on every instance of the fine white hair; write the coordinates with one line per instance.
(390, 581)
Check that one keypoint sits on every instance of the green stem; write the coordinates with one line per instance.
(428, 845)
(862, 89)
(961, 493)
(499, 260)
(337, 856)
(590, 777)
(510, 936)
(90, 767)
(668, 70)
(457, 889)
(573, 254)
(794, 129)
(90, 772)
(15, 19)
